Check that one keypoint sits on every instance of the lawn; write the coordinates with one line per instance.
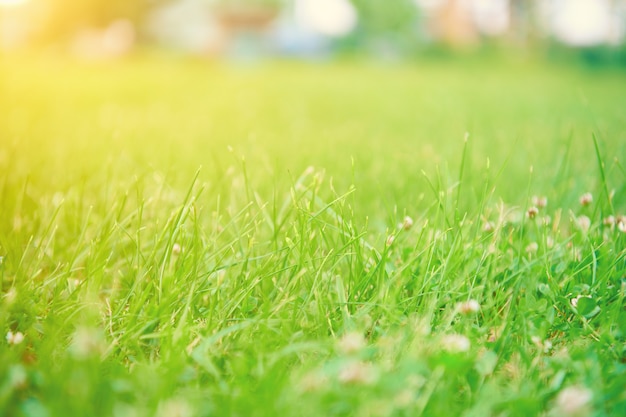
(189, 238)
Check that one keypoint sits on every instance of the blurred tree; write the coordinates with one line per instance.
(386, 18)
(524, 28)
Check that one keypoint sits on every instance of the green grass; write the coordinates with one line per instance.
(181, 238)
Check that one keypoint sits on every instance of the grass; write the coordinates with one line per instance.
(185, 238)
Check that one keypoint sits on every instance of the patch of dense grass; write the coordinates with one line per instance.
(179, 239)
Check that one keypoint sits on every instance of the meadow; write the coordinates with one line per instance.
(189, 238)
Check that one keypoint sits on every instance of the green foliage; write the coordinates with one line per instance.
(385, 27)
(181, 239)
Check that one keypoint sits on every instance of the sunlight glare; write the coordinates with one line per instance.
(12, 3)
(582, 22)
(327, 17)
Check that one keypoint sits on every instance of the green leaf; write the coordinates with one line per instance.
(586, 305)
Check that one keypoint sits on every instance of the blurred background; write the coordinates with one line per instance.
(594, 30)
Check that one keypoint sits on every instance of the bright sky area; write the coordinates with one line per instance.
(577, 22)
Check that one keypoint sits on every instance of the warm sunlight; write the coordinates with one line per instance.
(11, 3)
(327, 17)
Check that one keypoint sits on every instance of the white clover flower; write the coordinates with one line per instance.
(456, 343)
(583, 223)
(532, 247)
(574, 402)
(468, 307)
(351, 342)
(15, 338)
(407, 223)
(609, 221)
(532, 212)
(357, 373)
(586, 199)
(86, 342)
(621, 225)
(539, 201)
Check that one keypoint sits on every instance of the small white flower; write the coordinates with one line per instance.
(621, 225)
(583, 223)
(532, 247)
(15, 338)
(390, 240)
(574, 402)
(609, 221)
(87, 341)
(456, 343)
(357, 373)
(532, 212)
(351, 342)
(539, 201)
(407, 223)
(488, 227)
(586, 199)
(176, 249)
(468, 307)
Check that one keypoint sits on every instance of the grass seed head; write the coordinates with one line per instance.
(390, 240)
(10, 296)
